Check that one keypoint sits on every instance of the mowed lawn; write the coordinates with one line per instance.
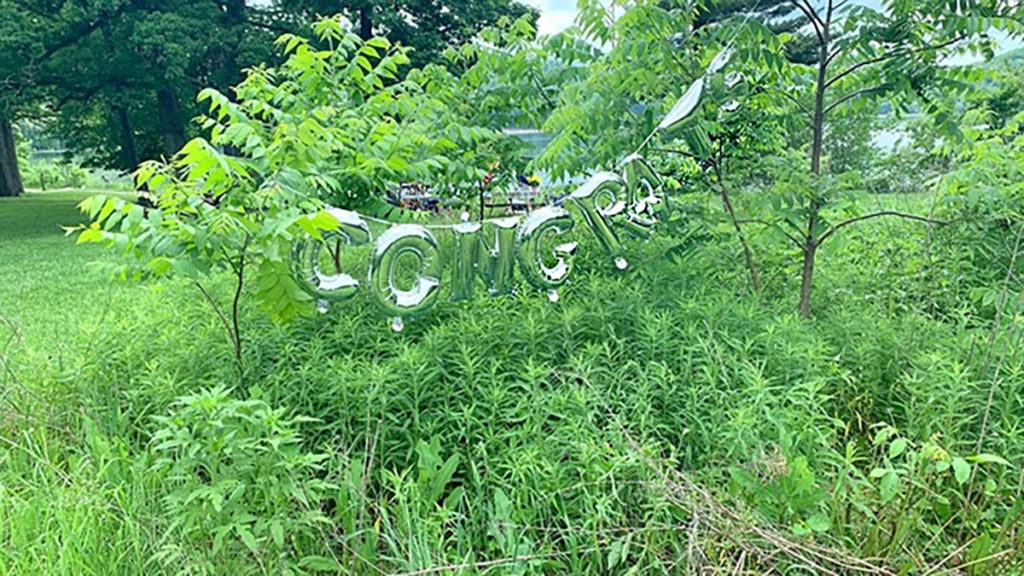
(52, 293)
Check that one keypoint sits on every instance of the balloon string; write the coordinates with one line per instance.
(427, 226)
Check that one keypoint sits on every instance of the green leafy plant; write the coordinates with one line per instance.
(238, 479)
(336, 125)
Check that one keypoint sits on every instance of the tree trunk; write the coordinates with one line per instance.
(129, 149)
(234, 30)
(366, 21)
(10, 175)
(747, 252)
(810, 248)
(807, 278)
(234, 12)
(171, 122)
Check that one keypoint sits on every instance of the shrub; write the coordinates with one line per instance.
(240, 483)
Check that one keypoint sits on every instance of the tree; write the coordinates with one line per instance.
(427, 26)
(779, 16)
(863, 55)
(328, 126)
(34, 35)
(17, 43)
(124, 93)
(655, 52)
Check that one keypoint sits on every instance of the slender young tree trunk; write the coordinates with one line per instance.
(129, 149)
(748, 254)
(807, 276)
(10, 175)
(234, 28)
(171, 122)
(810, 247)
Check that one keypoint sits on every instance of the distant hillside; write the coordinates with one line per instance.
(1013, 58)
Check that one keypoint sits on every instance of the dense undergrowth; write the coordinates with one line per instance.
(514, 435)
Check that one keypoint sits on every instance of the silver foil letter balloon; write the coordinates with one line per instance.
(417, 246)
(493, 261)
(533, 262)
(642, 186)
(598, 201)
(352, 230)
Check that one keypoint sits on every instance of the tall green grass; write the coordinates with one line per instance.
(504, 436)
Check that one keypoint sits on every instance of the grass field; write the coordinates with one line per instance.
(502, 436)
(50, 294)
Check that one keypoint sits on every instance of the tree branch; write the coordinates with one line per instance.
(849, 97)
(748, 255)
(796, 241)
(220, 314)
(845, 223)
(239, 284)
(795, 100)
(816, 22)
(679, 152)
(890, 56)
(269, 27)
(79, 31)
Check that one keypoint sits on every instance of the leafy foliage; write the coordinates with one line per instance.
(239, 482)
(662, 419)
(336, 126)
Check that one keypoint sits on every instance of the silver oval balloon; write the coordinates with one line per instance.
(394, 244)
(683, 107)
(352, 230)
(529, 240)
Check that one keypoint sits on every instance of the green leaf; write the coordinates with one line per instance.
(889, 485)
(988, 459)
(819, 523)
(320, 563)
(961, 470)
(90, 234)
(278, 294)
(247, 538)
(277, 532)
(897, 447)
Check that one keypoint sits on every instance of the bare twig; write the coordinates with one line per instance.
(890, 56)
(220, 314)
(816, 22)
(845, 223)
(796, 101)
(239, 284)
(748, 255)
(796, 241)
(851, 96)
